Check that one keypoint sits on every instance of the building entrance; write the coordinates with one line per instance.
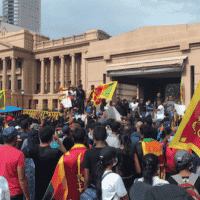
(149, 85)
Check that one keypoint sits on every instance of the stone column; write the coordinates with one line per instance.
(42, 76)
(73, 69)
(62, 71)
(51, 75)
(13, 75)
(83, 71)
(34, 77)
(23, 74)
(4, 74)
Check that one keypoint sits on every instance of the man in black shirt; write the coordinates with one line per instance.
(91, 156)
(23, 134)
(45, 159)
(142, 108)
(80, 99)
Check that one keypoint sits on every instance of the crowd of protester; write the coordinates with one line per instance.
(119, 159)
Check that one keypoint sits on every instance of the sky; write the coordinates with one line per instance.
(64, 18)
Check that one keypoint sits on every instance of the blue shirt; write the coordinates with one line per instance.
(150, 107)
(89, 109)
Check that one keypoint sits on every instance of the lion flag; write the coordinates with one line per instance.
(188, 133)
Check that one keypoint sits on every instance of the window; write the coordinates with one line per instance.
(9, 64)
(1, 85)
(19, 84)
(19, 64)
(9, 85)
(38, 86)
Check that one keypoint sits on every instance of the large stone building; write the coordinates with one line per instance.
(148, 59)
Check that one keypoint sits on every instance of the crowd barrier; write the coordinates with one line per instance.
(33, 112)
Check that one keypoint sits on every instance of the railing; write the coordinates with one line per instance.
(33, 112)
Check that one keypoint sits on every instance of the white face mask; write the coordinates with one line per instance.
(170, 139)
(115, 163)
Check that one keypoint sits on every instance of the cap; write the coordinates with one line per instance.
(10, 132)
(8, 119)
(183, 157)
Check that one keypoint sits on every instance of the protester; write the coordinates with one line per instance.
(142, 108)
(112, 186)
(149, 108)
(91, 157)
(80, 99)
(12, 165)
(45, 159)
(133, 106)
(23, 133)
(170, 108)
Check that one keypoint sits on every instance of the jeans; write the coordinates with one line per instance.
(17, 197)
(171, 116)
(143, 113)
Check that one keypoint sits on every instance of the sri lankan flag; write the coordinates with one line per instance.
(188, 134)
(103, 91)
(67, 182)
(2, 100)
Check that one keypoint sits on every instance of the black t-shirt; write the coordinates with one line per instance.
(45, 159)
(142, 107)
(139, 152)
(21, 139)
(91, 157)
(185, 179)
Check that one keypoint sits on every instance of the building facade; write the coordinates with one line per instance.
(143, 61)
(23, 13)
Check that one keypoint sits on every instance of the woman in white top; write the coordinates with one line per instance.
(159, 116)
(111, 186)
(149, 171)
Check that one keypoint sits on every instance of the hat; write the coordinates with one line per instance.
(183, 157)
(8, 119)
(10, 132)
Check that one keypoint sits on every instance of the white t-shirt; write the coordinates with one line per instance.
(156, 181)
(160, 113)
(133, 106)
(112, 185)
(4, 189)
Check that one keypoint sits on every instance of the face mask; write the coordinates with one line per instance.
(170, 139)
(90, 136)
(115, 163)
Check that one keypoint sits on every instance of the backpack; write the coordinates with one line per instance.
(91, 193)
(188, 186)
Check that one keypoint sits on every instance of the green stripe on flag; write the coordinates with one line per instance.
(2, 100)
(49, 192)
(108, 91)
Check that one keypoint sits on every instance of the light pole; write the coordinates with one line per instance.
(22, 92)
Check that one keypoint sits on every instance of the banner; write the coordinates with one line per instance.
(2, 100)
(180, 109)
(188, 133)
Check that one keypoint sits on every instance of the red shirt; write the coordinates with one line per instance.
(10, 159)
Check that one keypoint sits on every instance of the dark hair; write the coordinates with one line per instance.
(149, 167)
(146, 130)
(81, 123)
(165, 132)
(24, 124)
(137, 116)
(100, 133)
(79, 135)
(148, 120)
(68, 143)
(46, 133)
(115, 126)
(126, 141)
(106, 156)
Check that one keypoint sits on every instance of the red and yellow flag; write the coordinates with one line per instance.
(181, 92)
(188, 133)
(103, 91)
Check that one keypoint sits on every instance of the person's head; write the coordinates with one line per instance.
(24, 125)
(88, 103)
(92, 87)
(75, 125)
(146, 131)
(166, 134)
(125, 101)
(107, 159)
(148, 120)
(134, 99)
(10, 136)
(149, 102)
(183, 160)
(149, 167)
(115, 126)
(79, 135)
(66, 130)
(118, 99)
(46, 134)
(125, 142)
(100, 133)
(80, 87)
(68, 143)
(158, 95)
(170, 98)
(158, 102)
(81, 123)
(138, 125)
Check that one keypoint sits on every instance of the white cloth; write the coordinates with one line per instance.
(180, 109)
(66, 102)
(156, 181)
(112, 185)
(160, 114)
(133, 106)
(113, 113)
(65, 93)
(113, 141)
(4, 189)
